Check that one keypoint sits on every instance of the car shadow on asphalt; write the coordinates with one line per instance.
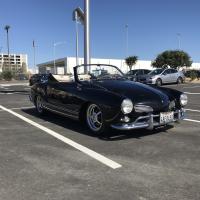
(80, 127)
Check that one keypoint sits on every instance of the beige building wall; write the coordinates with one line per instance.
(13, 62)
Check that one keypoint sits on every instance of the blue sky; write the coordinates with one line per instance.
(153, 27)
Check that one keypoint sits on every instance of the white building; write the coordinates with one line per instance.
(65, 65)
(195, 66)
(13, 62)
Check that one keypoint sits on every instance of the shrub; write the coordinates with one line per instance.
(7, 75)
(193, 75)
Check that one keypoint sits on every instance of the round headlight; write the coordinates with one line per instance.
(183, 99)
(126, 106)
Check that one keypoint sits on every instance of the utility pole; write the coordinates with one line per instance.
(7, 27)
(179, 40)
(1, 69)
(84, 19)
(76, 18)
(126, 27)
(34, 55)
(54, 54)
(86, 35)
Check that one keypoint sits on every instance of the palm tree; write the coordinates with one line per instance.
(130, 61)
(7, 27)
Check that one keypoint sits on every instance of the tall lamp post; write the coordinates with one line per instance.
(34, 55)
(7, 27)
(78, 17)
(179, 40)
(126, 27)
(1, 69)
(54, 54)
(87, 34)
(84, 18)
(77, 56)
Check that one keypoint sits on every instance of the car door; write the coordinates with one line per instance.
(165, 76)
(53, 97)
(63, 98)
(174, 74)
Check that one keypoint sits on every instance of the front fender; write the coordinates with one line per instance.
(172, 94)
(109, 102)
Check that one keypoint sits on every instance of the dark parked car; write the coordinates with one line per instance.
(36, 78)
(137, 74)
(108, 99)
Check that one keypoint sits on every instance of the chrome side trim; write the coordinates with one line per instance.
(148, 121)
(61, 113)
(60, 108)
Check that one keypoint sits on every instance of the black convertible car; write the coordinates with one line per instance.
(102, 96)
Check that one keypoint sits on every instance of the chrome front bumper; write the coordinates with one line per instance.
(149, 121)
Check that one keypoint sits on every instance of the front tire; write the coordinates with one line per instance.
(94, 119)
(179, 80)
(158, 82)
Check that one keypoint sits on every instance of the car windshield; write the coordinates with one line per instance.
(98, 72)
(156, 71)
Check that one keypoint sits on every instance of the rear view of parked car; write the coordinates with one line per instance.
(137, 74)
(161, 76)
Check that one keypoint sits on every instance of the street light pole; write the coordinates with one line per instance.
(126, 26)
(1, 69)
(179, 40)
(54, 54)
(7, 27)
(34, 54)
(86, 35)
(76, 18)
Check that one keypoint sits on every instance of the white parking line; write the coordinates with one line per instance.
(197, 86)
(193, 110)
(175, 85)
(192, 120)
(191, 93)
(20, 108)
(14, 84)
(89, 152)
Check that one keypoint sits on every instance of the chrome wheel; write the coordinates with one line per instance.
(94, 117)
(39, 104)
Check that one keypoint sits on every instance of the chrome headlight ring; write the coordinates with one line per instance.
(127, 106)
(183, 99)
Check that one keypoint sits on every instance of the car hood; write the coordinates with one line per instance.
(137, 92)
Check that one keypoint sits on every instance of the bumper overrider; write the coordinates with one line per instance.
(149, 121)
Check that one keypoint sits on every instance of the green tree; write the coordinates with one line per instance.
(174, 59)
(130, 61)
(7, 75)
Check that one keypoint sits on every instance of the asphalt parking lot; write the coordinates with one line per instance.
(55, 158)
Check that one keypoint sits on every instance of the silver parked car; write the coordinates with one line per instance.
(160, 76)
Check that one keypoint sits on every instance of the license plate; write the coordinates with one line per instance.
(166, 117)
